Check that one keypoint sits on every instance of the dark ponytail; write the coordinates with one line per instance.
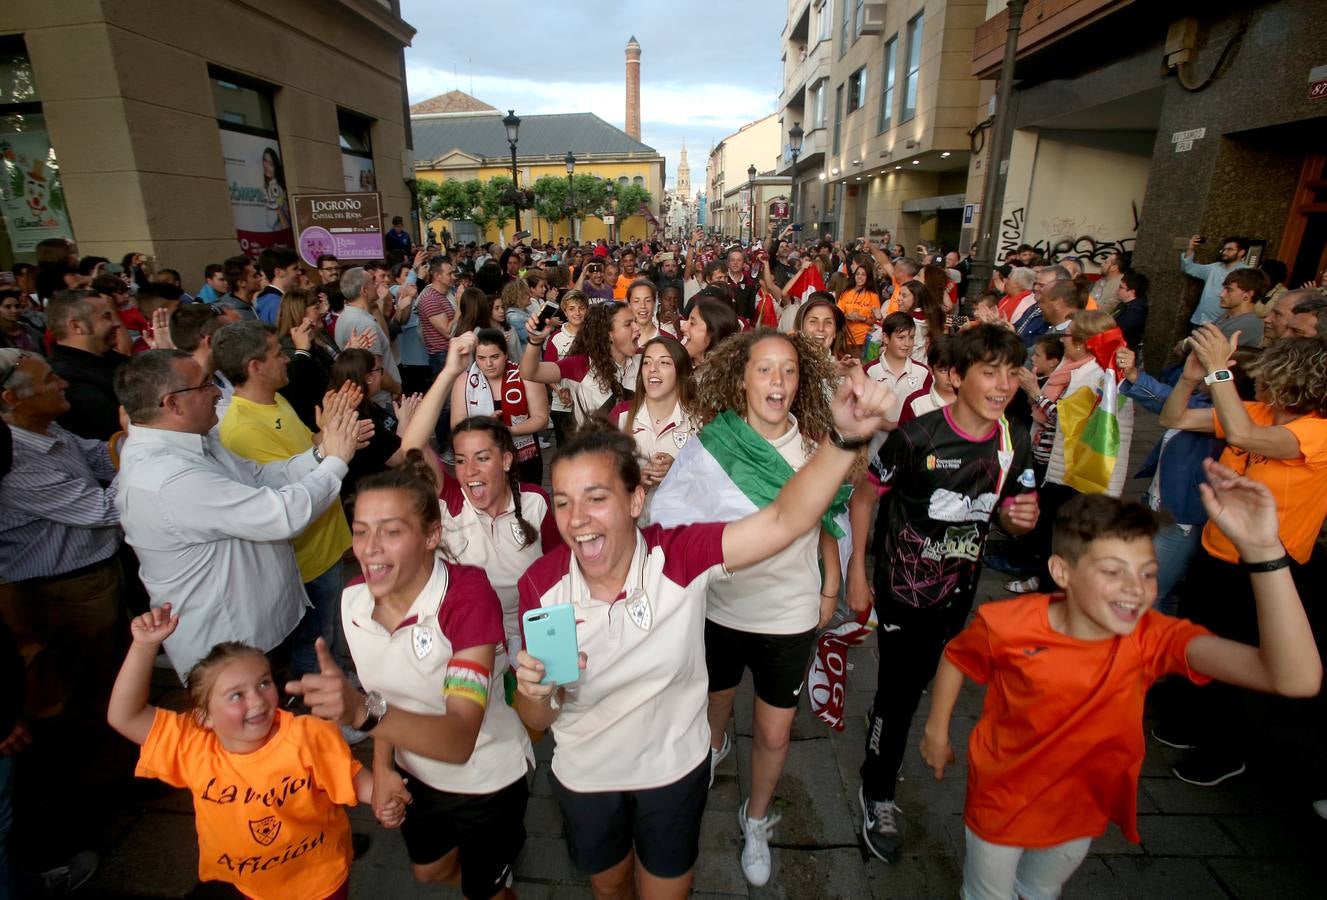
(415, 478)
(502, 437)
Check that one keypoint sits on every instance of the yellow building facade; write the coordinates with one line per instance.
(471, 144)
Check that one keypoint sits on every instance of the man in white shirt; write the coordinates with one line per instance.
(212, 530)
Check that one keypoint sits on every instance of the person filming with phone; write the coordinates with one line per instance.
(631, 767)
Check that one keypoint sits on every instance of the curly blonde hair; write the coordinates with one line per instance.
(724, 383)
(1293, 372)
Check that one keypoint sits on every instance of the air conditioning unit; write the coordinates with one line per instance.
(873, 18)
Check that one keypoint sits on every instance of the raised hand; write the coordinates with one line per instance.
(461, 350)
(159, 337)
(1244, 510)
(405, 409)
(336, 403)
(536, 333)
(362, 340)
(1126, 361)
(1213, 349)
(341, 436)
(153, 626)
(328, 694)
(301, 335)
(862, 405)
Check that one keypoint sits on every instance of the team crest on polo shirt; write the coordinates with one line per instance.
(421, 641)
(680, 438)
(265, 830)
(638, 607)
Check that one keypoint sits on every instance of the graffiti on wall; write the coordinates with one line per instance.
(1086, 246)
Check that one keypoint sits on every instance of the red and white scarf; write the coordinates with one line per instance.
(515, 405)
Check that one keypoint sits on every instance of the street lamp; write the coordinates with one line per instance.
(795, 135)
(570, 205)
(512, 123)
(751, 204)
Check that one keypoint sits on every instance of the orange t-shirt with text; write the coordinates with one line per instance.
(1299, 485)
(269, 822)
(862, 303)
(1056, 753)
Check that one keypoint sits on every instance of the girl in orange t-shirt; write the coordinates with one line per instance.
(268, 786)
(861, 305)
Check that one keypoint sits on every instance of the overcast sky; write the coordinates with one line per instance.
(707, 68)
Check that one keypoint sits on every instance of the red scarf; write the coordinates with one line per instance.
(515, 405)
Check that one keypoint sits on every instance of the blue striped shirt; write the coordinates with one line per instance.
(55, 516)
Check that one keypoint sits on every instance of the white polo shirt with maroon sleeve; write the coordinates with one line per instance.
(494, 545)
(556, 347)
(455, 611)
(636, 718)
(587, 396)
(668, 436)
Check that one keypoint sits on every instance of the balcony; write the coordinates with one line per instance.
(814, 144)
(803, 75)
(1044, 23)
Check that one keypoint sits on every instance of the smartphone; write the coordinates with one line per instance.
(550, 637)
(550, 310)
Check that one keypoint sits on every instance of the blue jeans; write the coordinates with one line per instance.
(1175, 546)
(322, 621)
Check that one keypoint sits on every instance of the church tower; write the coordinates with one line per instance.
(683, 174)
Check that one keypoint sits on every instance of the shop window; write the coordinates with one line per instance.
(355, 133)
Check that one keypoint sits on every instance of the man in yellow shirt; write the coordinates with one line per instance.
(262, 426)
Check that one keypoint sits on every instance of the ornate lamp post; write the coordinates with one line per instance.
(795, 135)
(751, 205)
(570, 206)
(512, 123)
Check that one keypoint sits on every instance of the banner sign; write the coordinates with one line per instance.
(257, 184)
(31, 198)
(348, 226)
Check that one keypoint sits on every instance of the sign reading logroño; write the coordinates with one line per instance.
(348, 226)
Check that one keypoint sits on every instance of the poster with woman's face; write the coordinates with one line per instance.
(256, 181)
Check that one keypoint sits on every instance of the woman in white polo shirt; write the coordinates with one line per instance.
(632, 762)
(660, 417)
(426, 636)
(765, 404)
(601, 365)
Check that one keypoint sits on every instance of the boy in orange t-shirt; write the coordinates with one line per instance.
(1057, 751)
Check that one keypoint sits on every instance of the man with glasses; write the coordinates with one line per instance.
(58, 544)
(212, 530)
(329, 269)
(1213, 275)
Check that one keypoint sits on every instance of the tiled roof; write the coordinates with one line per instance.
(451, 102)
(540, 135)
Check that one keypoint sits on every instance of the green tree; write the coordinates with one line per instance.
(453, 199)
(629, 198)
(550, 197)
(494, 203)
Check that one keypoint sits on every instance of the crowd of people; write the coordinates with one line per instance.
(334, 498)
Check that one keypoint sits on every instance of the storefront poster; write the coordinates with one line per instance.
(348, 226)
(358, 172)
(31, 198)
(257, 183)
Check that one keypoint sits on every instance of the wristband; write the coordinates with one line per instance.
(850, 444)
(1271, 565)
(536, 343)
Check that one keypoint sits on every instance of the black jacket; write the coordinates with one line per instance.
(94, 410)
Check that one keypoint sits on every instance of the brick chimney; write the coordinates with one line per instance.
(633, 88)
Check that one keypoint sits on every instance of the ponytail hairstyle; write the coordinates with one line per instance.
(416, 480)
(502, 438)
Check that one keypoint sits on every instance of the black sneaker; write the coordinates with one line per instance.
(882, 827)
(1207, 769)
(1162, 734)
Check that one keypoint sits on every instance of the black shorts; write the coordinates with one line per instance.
(489, 829)
(663, 824)
(778, 662)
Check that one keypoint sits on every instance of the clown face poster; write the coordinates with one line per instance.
(31, 198)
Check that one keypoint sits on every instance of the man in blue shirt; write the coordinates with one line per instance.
(399, 239)
(1213, 275)
(281, 266)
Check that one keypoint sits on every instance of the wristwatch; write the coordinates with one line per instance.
(376, 707)
(849, 444)
(318, 454)
(1218, 375)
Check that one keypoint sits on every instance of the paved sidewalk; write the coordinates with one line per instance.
(1252, 837)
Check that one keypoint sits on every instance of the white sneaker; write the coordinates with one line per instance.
(718, 756)
(755, 852)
